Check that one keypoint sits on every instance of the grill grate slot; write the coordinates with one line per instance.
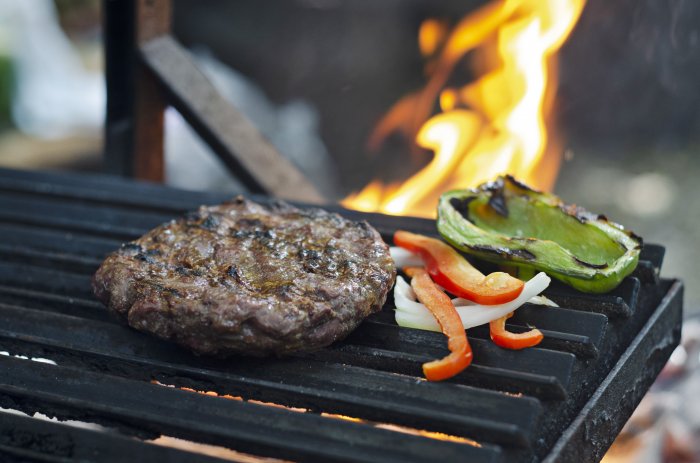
(56, 228)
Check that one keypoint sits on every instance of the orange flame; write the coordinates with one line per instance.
(492, 126)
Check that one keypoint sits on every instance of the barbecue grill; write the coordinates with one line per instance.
(362, 399)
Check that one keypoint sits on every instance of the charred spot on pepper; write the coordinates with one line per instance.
(586, 215)
(502, 252)
(462, 206)
(588, 264)
(520, 184)
(527, 239)
(497, 201)
(490, 187)
(578, 213)
(636, 237)
(638, 246)
(523, 253)
(570, 210)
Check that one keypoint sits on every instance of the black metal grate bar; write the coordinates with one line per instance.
(56, 228)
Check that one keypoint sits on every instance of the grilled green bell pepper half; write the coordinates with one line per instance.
(507, 222)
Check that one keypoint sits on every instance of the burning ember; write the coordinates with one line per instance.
(494, 125)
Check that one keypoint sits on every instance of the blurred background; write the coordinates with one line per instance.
(321, 79)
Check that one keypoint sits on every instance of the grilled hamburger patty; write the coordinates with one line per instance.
(248, 278)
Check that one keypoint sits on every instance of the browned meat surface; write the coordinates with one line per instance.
(248, 278)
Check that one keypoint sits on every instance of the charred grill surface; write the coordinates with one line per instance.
(249, 278)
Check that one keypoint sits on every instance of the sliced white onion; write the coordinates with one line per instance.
(404, 258)
(412, 314)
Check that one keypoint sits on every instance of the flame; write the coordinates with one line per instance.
(431, 34)
(492, 126)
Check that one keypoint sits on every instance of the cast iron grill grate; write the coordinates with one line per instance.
(563, 401)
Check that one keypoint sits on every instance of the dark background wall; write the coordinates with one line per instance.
(631, 73)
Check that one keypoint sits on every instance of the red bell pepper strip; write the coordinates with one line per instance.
(441, 306)
(454, 273)
(515, 341)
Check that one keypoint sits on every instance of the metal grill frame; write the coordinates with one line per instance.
(562, 401)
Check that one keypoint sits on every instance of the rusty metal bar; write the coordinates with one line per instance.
(231, 135)
(152, 20)
(136, 101)
(146, 70)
